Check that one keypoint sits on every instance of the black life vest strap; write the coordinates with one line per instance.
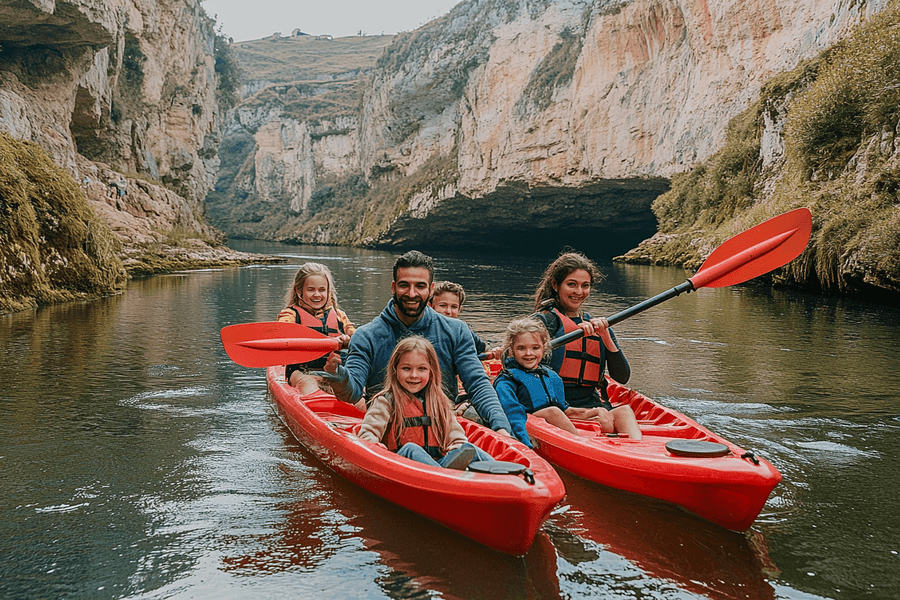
(582, 356)
(423, 421)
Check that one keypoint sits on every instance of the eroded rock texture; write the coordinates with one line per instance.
(509, 122)
(118, 89)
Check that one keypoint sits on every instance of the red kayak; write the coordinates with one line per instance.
(678, 460)
(502, 511)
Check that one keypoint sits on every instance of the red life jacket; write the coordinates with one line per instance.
(328, 324)
(581, 362)
(416, 429)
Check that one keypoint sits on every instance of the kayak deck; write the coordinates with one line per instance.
(501, 511)
(729, 490)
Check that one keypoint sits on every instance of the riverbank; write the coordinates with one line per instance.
(62, 240)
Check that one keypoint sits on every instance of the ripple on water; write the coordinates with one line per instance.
(174, 401)
(61, 508)
(708, 343)
(647, 339)
(186, 392)
(827, 450)
(697, 406)
(162, 370)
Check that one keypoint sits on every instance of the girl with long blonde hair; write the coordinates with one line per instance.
(312, 302)
(412, 416)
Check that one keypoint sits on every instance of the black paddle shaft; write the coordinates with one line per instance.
(679, 289)
(562, 340)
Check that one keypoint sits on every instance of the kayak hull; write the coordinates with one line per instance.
(503, 512)
(729, 490)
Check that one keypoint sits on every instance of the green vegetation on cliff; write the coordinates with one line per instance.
(52, 246)
(388, 199)
(841, 159)
(555, 70)
(228, 73)
(356, 213)
(312, 104)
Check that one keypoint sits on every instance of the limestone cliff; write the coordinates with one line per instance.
(129, 83)
(295, 136)
(538, 122)
(825, 136)
(120, 90)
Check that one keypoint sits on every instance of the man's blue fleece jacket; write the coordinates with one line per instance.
(372, 344)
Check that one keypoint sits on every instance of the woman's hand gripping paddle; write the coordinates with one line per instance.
(769, 245)
(271, 343)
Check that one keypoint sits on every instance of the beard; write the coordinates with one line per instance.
(406, 311)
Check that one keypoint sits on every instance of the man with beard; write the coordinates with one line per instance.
(408, 313)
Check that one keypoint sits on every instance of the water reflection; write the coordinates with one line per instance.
(422, 558)
(597, 539)
(662, 545)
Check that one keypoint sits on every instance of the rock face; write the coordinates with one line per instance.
(295, 135)
(824, 136)
(113, 87)
(540, 120)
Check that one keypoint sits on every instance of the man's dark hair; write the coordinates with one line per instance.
(414, 260)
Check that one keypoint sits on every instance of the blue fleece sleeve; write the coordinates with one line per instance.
(476, 382)
(358, 366)
(515, 412)
(480, 344)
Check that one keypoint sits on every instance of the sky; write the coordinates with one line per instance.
(254, 19)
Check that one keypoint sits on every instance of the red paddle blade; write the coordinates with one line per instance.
(271, 343)
(760, 249)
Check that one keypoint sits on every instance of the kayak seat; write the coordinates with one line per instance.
(493, 443)
(348, 425)
(590, 427)
(660, 422)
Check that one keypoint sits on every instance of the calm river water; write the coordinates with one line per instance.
(137, 461)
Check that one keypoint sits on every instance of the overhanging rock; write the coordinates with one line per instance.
(604, 218)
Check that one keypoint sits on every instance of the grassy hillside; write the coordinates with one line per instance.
(305, 58)
(841, 117)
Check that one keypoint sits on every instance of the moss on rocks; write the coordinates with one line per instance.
(52, 245)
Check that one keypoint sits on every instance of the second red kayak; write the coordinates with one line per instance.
(678, 460)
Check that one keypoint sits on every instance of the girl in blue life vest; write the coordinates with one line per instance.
(312, 301)
(526, 383)
(582, 363)
(412, 415)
